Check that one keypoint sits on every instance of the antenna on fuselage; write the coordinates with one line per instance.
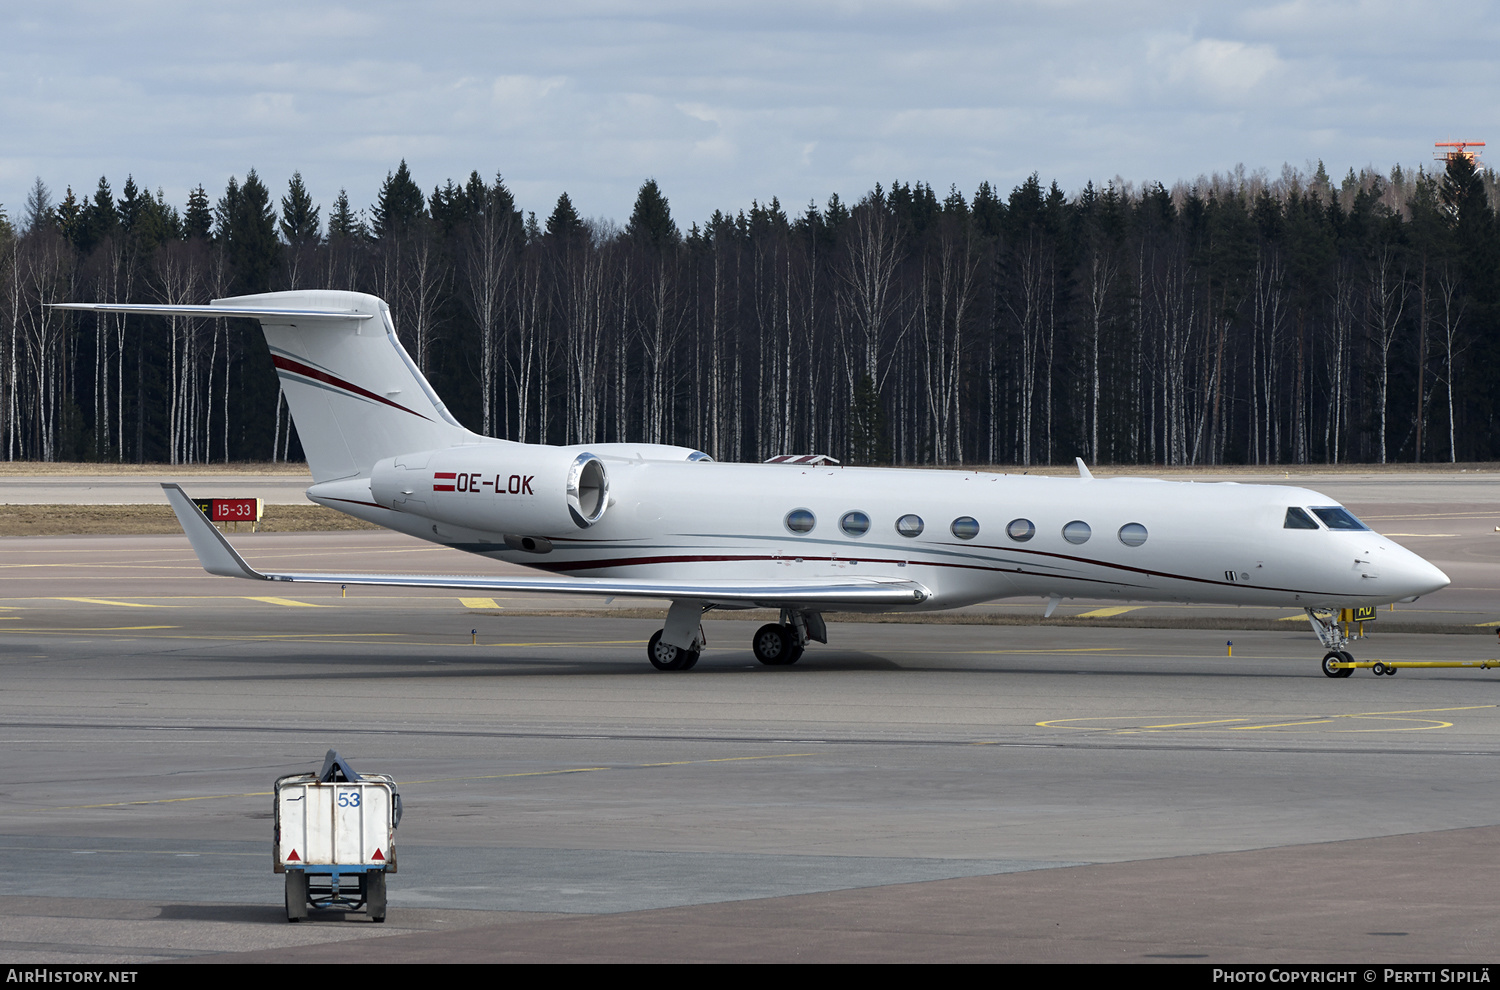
(1083, 469)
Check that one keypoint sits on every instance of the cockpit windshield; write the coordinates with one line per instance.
(1337, 517)
(1298, 519)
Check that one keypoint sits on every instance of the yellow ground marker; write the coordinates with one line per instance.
(106, 601)
(1104, 613)
(478, 603)
(285, 601)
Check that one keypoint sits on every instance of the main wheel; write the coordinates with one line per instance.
(296, 895)
(1333, 657)
(664, 656)
(375, 896)
(776, 646)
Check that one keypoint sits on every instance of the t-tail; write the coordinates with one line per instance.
(355, 394)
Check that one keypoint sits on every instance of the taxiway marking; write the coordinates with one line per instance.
(1400, 715)
(434, 780)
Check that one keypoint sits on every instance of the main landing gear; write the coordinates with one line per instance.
(664, 656)
(776, 644)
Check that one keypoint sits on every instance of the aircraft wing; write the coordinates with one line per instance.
(218, 557)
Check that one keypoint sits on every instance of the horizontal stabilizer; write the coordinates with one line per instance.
(253, 312)
(218, 557)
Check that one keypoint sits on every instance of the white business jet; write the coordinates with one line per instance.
(663, 522)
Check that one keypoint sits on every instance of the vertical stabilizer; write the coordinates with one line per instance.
(355, 394)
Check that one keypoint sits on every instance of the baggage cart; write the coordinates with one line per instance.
(335, 838)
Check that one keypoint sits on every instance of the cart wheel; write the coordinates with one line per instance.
(296, 895)
(375, 896)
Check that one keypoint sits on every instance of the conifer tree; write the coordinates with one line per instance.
(199, 219)
(39, 206)
(99, 218)
(247, 225)
(343, 223)
(651, 219)
(564, 223)
(400, 204)
(300, 224)
(128, 209)
(69, 215)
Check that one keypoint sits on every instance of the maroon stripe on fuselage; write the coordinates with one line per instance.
(606, 564)
(298, 368)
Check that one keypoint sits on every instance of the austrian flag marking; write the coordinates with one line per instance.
(442, 476)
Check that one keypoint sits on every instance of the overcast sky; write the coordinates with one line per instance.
(724, 103)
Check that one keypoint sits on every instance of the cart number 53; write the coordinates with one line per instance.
(348, 799)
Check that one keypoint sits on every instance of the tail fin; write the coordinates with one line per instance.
(355, 394)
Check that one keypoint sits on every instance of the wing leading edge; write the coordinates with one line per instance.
(218, 557)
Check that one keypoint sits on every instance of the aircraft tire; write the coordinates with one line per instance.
(1333, 657)
(775, 645)
(664, 656)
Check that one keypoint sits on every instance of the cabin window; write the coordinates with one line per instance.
(1132, 534)
(965, 527)
(855, 523)
(909, 525)
(1337, 517)
(801, 521)
(1077, 532)
(1020, 530)
(1298, 519)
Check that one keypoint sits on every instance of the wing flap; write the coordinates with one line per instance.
(218, 557)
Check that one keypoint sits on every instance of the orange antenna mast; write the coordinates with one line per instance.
(1460, 149)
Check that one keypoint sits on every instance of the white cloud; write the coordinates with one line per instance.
(723, 103)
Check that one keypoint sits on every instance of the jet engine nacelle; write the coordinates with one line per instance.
(498, 488)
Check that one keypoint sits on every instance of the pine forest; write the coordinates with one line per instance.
(1235, 320)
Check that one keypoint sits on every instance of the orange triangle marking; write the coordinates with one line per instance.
(294, 858)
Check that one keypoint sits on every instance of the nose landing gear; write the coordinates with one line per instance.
(1336, 657)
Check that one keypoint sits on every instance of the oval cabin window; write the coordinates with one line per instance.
(909, 525)
(801, 521)
(1020, 530)
(1077, 532)
(1132, 534)
(965, 527)
(855, 523)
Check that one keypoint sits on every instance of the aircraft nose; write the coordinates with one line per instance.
(1418, 577)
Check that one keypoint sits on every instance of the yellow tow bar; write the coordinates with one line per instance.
(1391, 666)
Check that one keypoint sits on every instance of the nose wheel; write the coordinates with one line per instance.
(1335, 657)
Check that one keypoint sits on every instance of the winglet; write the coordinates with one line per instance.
(1083, 469)
(214, 552)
